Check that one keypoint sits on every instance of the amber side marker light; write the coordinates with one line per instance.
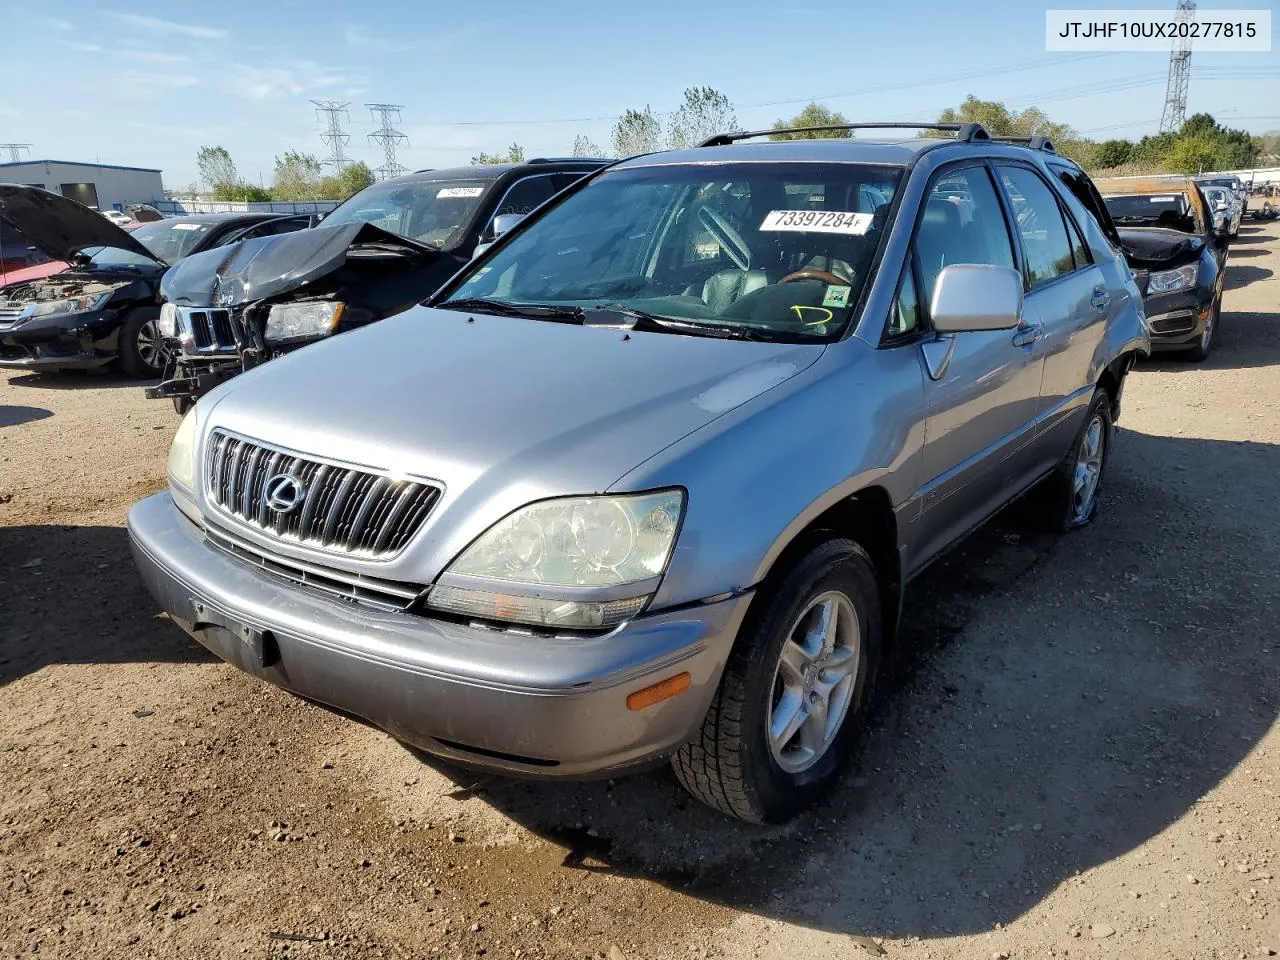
(668, 688)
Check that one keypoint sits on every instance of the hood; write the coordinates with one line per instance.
(267, 266)
(501, 410)
(60, 227)
(1154, 247)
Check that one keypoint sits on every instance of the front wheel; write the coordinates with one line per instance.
(1204, 346)
(141, 348)
(1070, 493)
(787, 711)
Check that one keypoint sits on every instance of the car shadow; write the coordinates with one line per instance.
(48, 570)
(1052, 704)
(97, 379)
(1252, 235)
(13, 415)
(1243, 274)
(1235, 254)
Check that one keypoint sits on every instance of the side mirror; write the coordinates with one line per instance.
(972, 297)
(503, 223)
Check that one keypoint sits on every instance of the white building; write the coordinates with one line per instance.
(99, 185)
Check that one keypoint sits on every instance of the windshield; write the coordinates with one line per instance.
(432, 212)
(778, 251)
(1228, 182)
(1158, 209)
(170, 240)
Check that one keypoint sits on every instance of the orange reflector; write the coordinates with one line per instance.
(668, 688)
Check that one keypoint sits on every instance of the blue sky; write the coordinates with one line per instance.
(147, 84)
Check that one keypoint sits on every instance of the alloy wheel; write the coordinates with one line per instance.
(814, 682)
(1088, 469)
(150, 345)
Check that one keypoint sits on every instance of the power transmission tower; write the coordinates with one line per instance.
(1175, 95)
(388, 137)
(334, 137)
(15, 150)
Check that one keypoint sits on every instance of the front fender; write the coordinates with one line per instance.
(757, 477)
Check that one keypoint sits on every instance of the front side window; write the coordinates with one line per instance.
(962, 222)
(772, 251)
(1045, 244)
(525, 196)
(432, 211)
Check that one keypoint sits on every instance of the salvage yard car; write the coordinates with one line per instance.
(1166, 230)
(103, 307)
(648, 478)
(1226, 210)
(385, 249)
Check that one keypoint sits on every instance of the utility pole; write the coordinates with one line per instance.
(1175, 95)
(334, 137)
(388, 137)
(15, 150)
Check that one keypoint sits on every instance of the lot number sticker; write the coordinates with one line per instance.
(817, 221)
(451, 193)
(187, 226)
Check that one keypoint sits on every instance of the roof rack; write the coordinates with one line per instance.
(1035, 143)
(965, 132)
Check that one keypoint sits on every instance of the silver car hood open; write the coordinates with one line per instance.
(500, 410)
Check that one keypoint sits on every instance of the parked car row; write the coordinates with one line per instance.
(648, 474)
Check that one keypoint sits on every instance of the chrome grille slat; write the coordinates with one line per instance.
(212, 329)
(345, 510)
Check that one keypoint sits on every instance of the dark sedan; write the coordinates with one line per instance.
(103, 307)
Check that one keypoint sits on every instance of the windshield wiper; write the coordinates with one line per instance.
(651, 322)
(540, 311)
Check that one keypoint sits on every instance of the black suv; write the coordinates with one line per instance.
(380, 252)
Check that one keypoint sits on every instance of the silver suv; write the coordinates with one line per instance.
(648, 478)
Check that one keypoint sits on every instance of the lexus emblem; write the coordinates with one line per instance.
(283, 492)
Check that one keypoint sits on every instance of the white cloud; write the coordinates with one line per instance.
(153, 56)
(82, 46)
(59, 24)
(290, 79)
(156, 25)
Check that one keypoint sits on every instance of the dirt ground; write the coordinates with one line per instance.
(1073, 753)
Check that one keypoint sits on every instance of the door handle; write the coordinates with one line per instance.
(1027, 336)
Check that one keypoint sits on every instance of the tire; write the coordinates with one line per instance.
(733, 764)
(139, 345)
(1204, 346)
(1062, 503)
(181, 405)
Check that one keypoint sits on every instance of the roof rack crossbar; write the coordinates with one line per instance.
(1035, 143)
(965, 132)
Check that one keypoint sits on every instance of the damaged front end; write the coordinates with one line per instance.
(61, 322)
(229, 310)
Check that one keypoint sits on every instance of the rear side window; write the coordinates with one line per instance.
(1044, 234)
(1082, 188)
(1079, 249)
(962, 222)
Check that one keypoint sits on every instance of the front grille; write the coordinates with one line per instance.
(8, 314)
(212, 328)
(344, 509)
(352, 587)
(1170, 323)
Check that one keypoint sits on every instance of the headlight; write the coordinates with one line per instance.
(67, 307)
(168, 322)
(182, 454)
(1169, 281)
(564, 551)
(295, 321)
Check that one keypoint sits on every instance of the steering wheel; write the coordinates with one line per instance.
(825, 275)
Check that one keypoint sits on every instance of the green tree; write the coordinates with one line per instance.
(704, 113)
(514, 154)
(297, 177)
(586, 147)
(1192, 154)
(1114, 153)
(353, 178)
(637, 132)
(217, 169)
(814, 115)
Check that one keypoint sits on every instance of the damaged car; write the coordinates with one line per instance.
(1166, 231)
(385, 249)
(103, 306)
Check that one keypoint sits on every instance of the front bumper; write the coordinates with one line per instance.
(1176, 320)
(43, 346)
(502, 700)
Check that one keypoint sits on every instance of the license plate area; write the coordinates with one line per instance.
(259, 645)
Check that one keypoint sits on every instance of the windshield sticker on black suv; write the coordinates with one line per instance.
(451, 193)
(817, 221)
(836, 296)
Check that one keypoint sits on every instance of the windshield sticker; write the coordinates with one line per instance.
(187, 226)
(836, 296)
(453, 193)
(1161, 199)
(818, 221)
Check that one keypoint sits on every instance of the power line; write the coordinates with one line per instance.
(388, 137)
(1175, 93)
(16, 149)
(334, 137)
